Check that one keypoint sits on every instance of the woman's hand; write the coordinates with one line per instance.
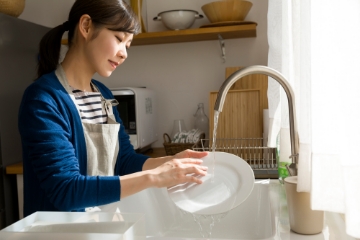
(165, 172)
(152, 163)
(190, 154)
(177, 171)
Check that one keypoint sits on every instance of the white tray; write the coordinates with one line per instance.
(77, 225)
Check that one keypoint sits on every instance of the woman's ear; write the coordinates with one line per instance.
(85, 26)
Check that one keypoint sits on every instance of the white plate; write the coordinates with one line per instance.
(232, 183)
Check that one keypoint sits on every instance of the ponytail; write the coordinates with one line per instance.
(49, 50)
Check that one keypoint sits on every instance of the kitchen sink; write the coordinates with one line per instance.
(253, 219)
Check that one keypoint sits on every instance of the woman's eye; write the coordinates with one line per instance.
(119, 39)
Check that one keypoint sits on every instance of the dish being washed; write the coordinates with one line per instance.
(221, 191)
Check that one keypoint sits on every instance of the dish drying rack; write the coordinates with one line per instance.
(261, 159)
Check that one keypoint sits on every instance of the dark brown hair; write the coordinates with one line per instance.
(115, 15)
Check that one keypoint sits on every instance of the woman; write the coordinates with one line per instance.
(76, 153)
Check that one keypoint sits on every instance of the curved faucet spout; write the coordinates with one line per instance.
(291, 100)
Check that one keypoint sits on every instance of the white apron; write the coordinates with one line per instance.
(102, 145)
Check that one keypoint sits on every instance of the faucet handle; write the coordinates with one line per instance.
(292, 167)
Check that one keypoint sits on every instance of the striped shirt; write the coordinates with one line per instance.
(90, 107)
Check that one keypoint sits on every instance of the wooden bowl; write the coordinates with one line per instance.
(226, 10)
(12, 7)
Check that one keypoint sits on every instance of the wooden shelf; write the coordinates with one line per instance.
(193, 35)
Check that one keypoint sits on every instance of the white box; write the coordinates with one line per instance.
(77, 225)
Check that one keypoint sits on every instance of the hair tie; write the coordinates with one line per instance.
(66, 25)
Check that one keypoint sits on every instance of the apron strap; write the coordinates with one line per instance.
(108, 103)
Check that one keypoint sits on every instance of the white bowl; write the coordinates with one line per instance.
(178, 19)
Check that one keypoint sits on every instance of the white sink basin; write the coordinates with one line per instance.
(253, 219)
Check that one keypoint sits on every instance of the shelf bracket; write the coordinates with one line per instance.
(222, 46)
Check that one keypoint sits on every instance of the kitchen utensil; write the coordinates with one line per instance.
(253, 81)
(231, 184)
(302, 218)
(229, 10)
(241, 116)
(178, 19)
(12, 7)
(227, 23)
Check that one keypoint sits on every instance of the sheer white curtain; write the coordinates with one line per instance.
(316, 46)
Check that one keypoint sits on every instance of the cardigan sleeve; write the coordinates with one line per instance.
(47, 139)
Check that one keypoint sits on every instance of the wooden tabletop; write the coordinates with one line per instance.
(18, 167)
(15, 168)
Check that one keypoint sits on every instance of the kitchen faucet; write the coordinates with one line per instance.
(294, 138)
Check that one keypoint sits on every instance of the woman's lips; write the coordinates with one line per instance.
(113, 64)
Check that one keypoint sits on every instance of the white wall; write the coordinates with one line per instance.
(49, 13)
(182, 74)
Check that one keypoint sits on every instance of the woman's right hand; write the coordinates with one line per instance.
(177, 171)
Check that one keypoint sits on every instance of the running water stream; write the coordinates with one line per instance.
(207, 222)
(213, 147)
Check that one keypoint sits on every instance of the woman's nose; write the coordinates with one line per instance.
(122, 53)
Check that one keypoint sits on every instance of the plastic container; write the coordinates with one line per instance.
(302, 218)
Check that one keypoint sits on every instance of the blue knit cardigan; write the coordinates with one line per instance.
(54, 152)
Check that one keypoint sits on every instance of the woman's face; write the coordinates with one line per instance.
(108, 50)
